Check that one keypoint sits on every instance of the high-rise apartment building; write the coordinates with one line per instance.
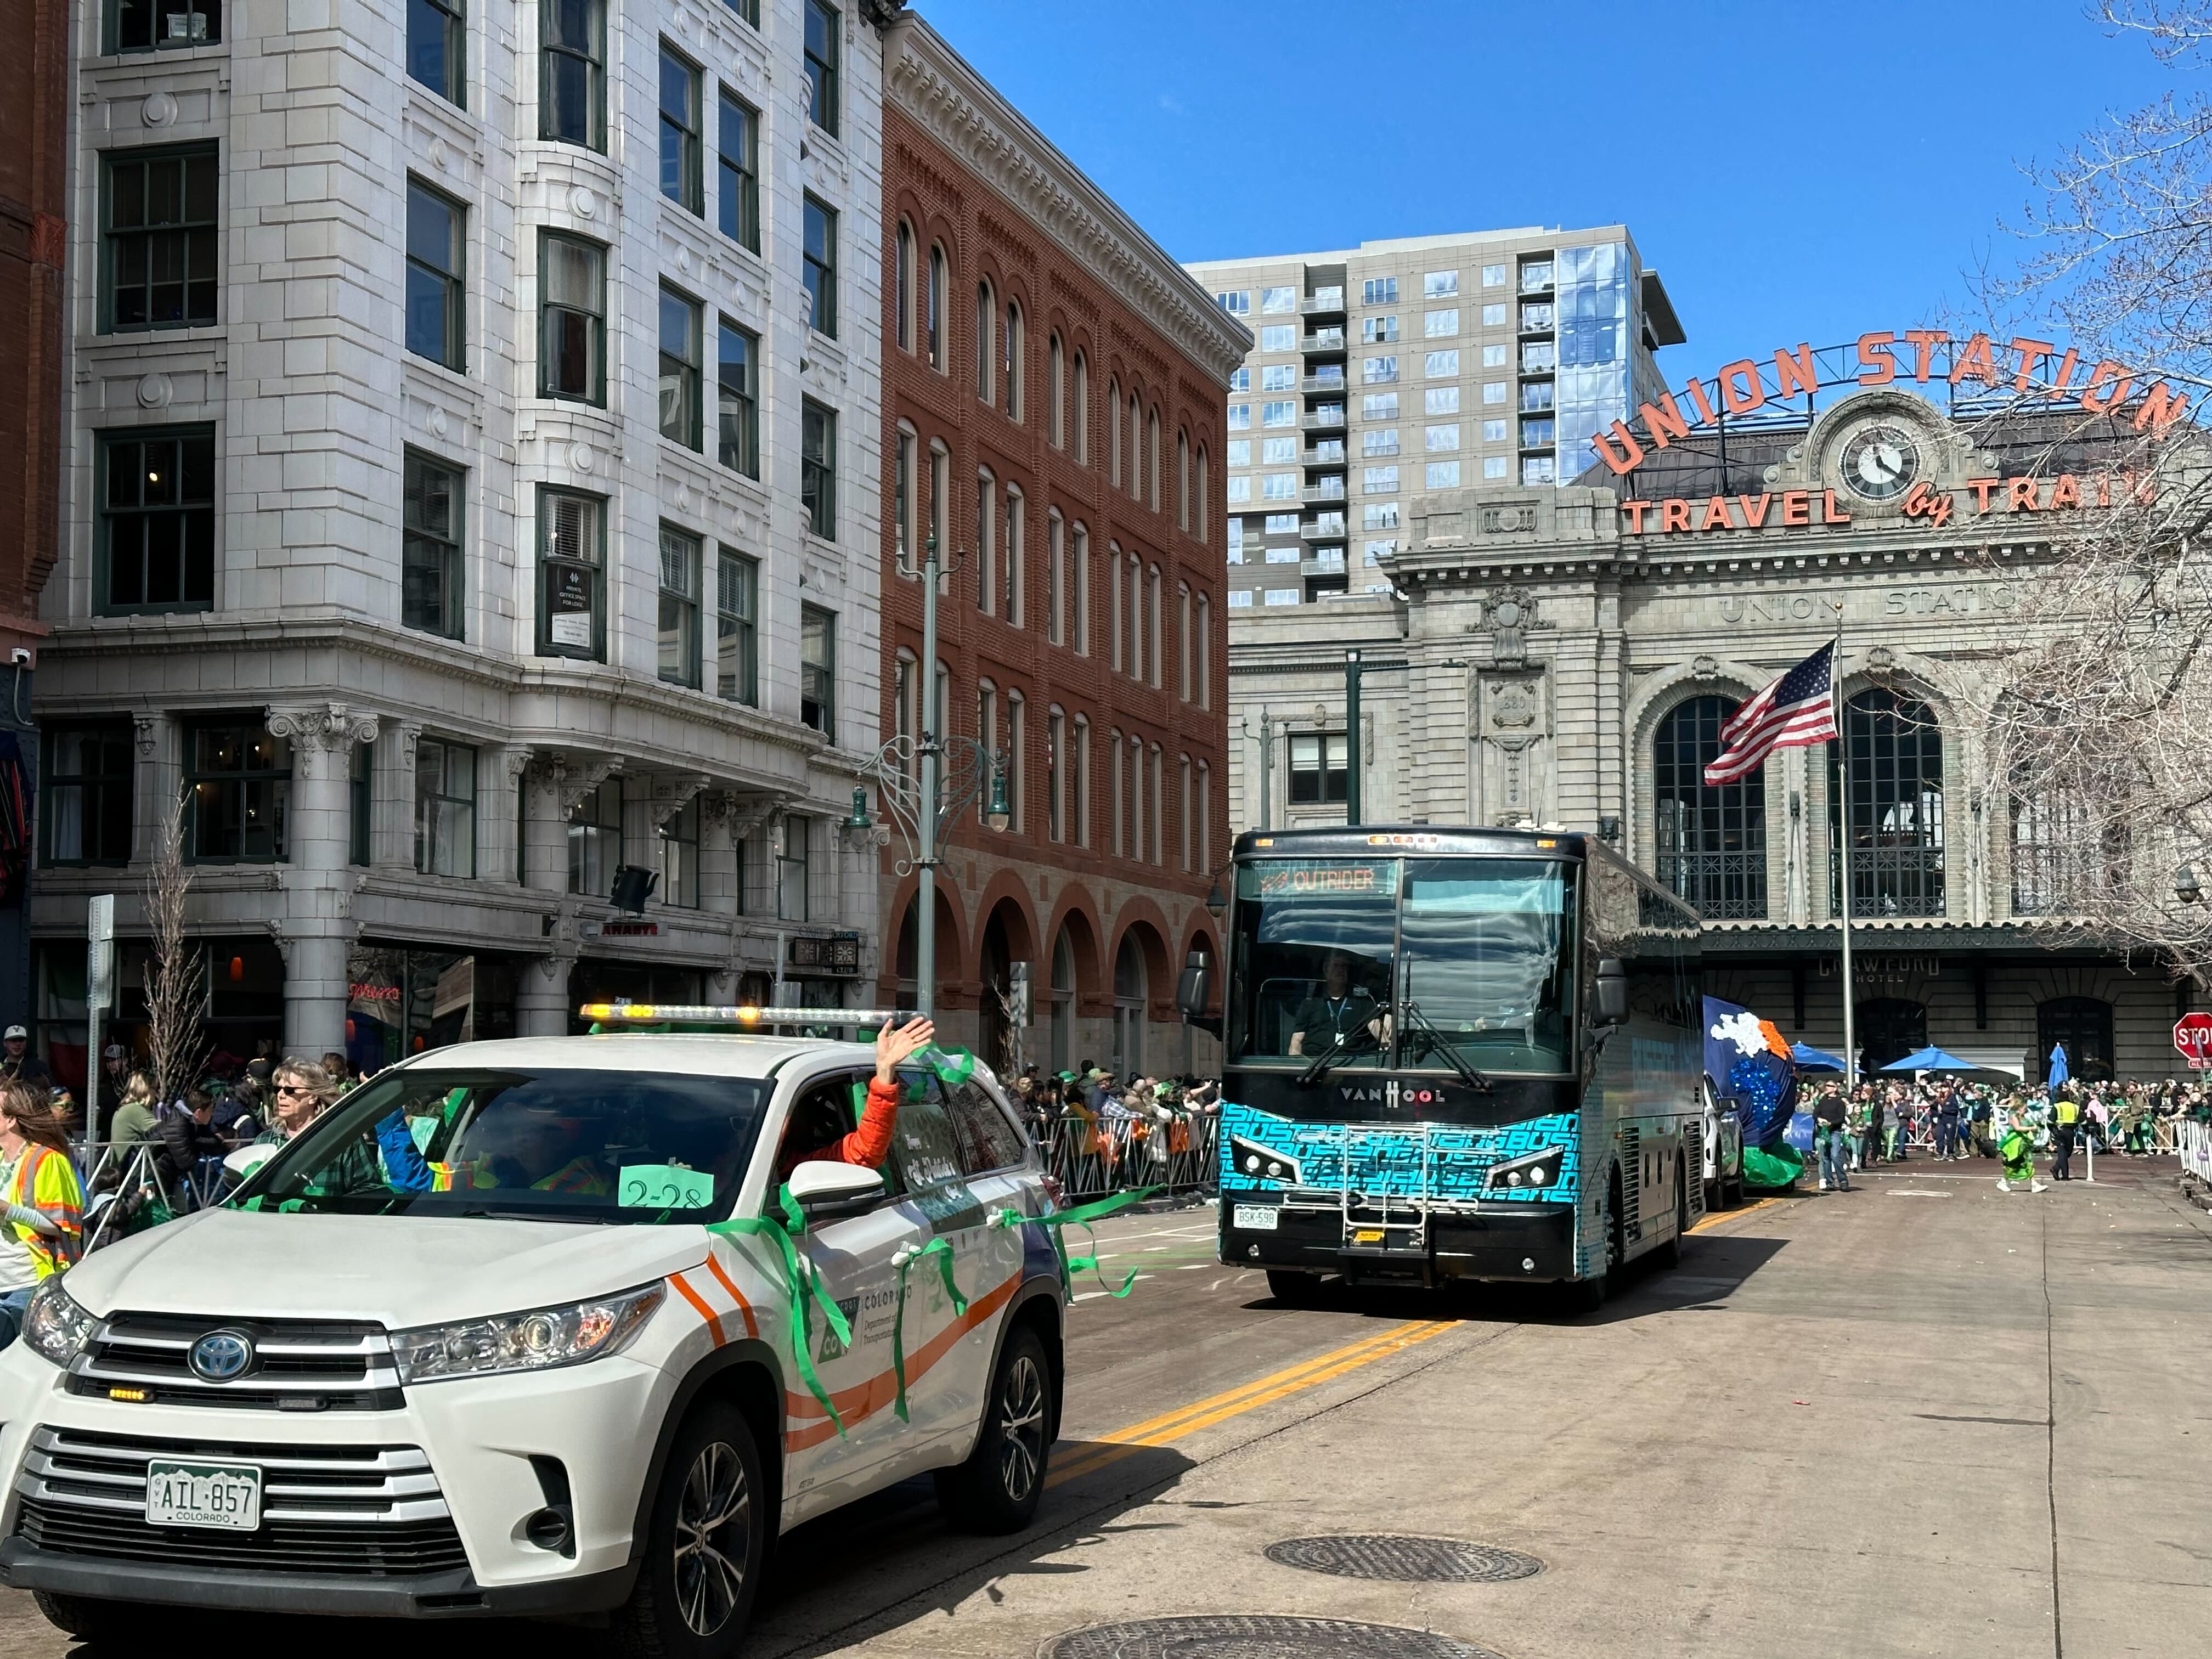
(1414, 365)
(472, 493)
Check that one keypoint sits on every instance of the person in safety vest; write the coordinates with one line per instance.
(2066, 1122)
(871, 1144)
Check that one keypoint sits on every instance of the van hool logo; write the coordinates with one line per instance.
(1392, 1094)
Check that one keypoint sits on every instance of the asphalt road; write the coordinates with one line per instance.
(1921, 1418)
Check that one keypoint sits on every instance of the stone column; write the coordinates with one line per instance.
(499, 772)
(158, 779)
(553, 784)
(391, 818)
(315, 928)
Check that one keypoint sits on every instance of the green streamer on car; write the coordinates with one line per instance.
(802, 1288)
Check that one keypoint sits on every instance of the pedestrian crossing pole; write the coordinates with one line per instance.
(1843, 877)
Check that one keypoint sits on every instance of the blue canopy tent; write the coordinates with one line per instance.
(1810, 1059)
(1936, 1060)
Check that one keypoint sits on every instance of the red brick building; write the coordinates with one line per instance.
(1053, 398)
(34, 100)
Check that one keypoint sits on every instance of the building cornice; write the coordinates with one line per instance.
(942, 94)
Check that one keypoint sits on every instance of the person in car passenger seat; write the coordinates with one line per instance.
(871, 1144)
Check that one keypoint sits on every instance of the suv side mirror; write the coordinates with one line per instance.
(825, 1190)
(1611, 993)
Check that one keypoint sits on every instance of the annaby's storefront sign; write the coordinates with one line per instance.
(2028, 367)
(1793, 509)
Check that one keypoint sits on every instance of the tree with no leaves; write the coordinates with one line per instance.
(176, 973)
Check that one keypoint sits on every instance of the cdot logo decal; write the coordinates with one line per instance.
(220, 1356)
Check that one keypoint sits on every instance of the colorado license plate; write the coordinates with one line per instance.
(224, 1496)
(1256, 1217)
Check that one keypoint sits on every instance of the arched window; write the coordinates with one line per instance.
(987, 733)
(1188, 847)
(986, 567)
(1063, 1002)
(1114, 612)
(940, 494)
(2071, 840)
(1056, 578)
(1080, 400)
(1895, 843)
(1205, 665)
(1137, 819)
(906, 711)
(1056, 417)
(1134, 659)
(1014, 400)
(1182, 481)
(986, 321)
(2083, 1026)
(1160, 817)
(1153, 459)
(1205, 495)
(1017, 710)
(940, 715)
(1082, 769)
(903, 493)
(1710, 843)
(1205, 817)
(1129, 997)
(1055, 773)
(1081, 624)
(1182, 641)
(1116, 789)
(1113, 432)
(1017, 553)
(1887, 1029)
(903, 301)
(940, 298)
(1136, 449)
(1153, 636)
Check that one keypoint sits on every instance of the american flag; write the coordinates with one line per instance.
(1797, 710)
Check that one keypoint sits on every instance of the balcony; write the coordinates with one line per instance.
(1325, 527)
(1324, 417)
(1324, 303)
(1328, 490)
(1326, 379)
(1537, 320)
(1327, 452)
(1323, 341)
(1536, 279)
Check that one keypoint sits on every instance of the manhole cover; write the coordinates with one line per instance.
(1405, 1560)
(1256, 1636)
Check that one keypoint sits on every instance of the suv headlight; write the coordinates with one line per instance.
(55, 1325)
(535, 1341)
(1535, 1169)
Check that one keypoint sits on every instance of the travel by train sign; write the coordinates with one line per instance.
(2031, 368)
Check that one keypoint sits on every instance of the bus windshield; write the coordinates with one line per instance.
(1391, 962)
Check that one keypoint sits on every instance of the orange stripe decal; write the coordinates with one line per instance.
(752, 1326)
(714, 1322)
(863, 1399)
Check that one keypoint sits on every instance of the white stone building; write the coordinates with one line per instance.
(469, 496)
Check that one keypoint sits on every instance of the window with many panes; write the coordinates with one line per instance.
(595, 841)
(155, 534)
(820, 271)
(679, 369)
(738, 203)
(164, 25)
(737, 391)
(736, 628)
(436, 228)
(817, 468)
(817, 670)
(238, 789)
(571, 307)
(824, 28)
(445, 808)
(679, 857)
(572, 573)
(85, 803)
(158, 246)
(1318, 772)
(437, 48)
(680, 177)
(430, 545)
(678, 631)
(572, 72)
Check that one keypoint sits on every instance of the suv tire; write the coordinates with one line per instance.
(91, 1619)
(997, 1489)
(706, 1544)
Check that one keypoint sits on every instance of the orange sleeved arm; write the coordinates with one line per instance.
(871, 1144)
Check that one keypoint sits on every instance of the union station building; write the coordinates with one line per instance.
(1568, 656)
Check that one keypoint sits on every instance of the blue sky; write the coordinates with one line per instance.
(1795, 172)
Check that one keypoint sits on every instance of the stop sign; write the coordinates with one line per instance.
(2192, 1034)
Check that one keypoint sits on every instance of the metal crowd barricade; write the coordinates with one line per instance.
(1092, 1157)
(2193, 1140)
(117, 1174)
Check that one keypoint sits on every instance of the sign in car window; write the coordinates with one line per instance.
(926, 1153)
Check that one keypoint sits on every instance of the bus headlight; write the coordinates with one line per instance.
(1536, 1169)
(1251, 1158)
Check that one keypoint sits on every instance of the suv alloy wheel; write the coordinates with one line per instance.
(706, 1539)
(997, 1489)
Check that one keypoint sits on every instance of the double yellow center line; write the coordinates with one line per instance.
(1110, 1449)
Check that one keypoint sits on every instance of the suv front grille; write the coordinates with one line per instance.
(298, 1364)
(357, 1511)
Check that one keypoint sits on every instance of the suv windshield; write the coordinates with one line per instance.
(537, 1145)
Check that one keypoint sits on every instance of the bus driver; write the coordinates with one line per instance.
(1343, 1014)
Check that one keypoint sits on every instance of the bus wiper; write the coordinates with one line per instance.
(1438, 1044)
(1322, 1061)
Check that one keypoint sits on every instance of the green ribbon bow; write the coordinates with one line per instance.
(1081, 1216)
(953, 1066)
(802, 1289)
(942, 1249)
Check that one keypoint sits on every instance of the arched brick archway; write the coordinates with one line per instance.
(1004, 935)
(1076, 919)
(954, 979)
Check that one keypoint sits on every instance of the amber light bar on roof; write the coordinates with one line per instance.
(720, 1013)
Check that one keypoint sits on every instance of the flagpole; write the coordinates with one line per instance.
(1844, 881)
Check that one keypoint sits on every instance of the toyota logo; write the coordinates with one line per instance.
(220, 1356)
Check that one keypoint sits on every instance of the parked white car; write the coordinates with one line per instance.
(470, 1345)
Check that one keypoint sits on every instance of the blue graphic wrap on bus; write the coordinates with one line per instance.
(1387, 1158)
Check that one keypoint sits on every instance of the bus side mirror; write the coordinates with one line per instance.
(1611, 993)
(1192, 990)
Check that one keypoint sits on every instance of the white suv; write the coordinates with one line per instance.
(473, 1344)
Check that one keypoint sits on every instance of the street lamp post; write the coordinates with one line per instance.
(920, 797)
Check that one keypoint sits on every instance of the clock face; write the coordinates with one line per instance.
(1879, 462)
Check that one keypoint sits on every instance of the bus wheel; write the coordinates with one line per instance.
(1293, 1289)
(1585, 1295)
(1670, 1254)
